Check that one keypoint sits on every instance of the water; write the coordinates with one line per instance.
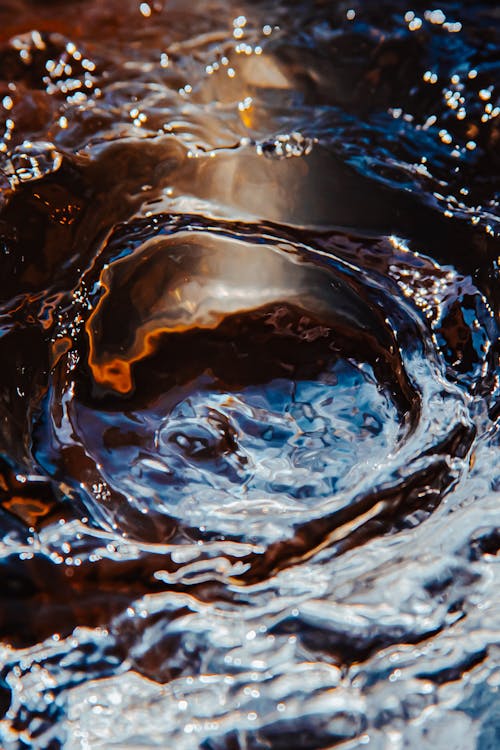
(249, 397)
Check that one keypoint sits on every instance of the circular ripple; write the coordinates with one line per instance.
(226, 384)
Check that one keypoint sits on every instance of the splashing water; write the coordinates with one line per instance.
(249, 395)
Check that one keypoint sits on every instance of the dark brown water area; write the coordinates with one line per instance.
(249, 394)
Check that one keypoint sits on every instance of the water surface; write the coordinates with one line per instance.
(249, 398)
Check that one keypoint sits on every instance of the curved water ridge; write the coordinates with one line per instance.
(249, 402)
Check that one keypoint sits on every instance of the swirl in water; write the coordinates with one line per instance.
(266, 381)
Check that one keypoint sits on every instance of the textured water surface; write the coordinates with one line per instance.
(249, 395)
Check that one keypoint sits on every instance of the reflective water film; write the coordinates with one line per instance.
(249, 394)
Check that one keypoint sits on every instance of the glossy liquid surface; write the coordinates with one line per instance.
(249, 398)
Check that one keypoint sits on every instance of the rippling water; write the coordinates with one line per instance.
(249, 395)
